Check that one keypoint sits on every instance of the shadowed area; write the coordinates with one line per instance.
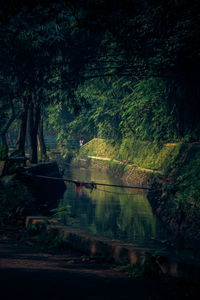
(31, 273)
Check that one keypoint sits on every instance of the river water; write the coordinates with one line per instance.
(116, 213)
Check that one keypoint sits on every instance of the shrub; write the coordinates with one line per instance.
(15, 201)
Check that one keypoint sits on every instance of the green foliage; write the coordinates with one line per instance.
(15, 201)
(3, 152)
(147, 112)
(101, 114)
(99, 147)
(187, 184)
(44, 238)
(177, 195)
(149, 266)
(135, 270)
(40, 236)
(132, 79)
(57, 212)
(148, 155)
(122, 108)
(144, 154)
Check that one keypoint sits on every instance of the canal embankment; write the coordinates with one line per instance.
(171, 171)
(134, 162)
(104, 248)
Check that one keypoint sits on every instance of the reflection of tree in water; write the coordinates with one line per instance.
(136, 219)
(107, 211)
(118, 216)
(81, 209)
(127, 217)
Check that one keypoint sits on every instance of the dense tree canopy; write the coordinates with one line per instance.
(110, 68)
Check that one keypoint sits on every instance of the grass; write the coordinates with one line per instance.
(144, 154)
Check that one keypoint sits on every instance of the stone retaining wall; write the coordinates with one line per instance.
(129, 174)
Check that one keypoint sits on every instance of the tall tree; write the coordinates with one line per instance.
(33, 122)
(41, 142)
(20, 143)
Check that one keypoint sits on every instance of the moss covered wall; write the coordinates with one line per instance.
(143, 154)
(134, 162)
(99, 147)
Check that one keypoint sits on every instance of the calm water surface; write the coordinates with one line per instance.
(116, 213)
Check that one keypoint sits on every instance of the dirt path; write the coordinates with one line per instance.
(27, 272)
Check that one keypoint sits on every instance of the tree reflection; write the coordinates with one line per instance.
(111, 213)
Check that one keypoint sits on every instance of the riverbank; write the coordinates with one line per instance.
(175, 197)
(128, 173)
(171, 171)
(134, 162)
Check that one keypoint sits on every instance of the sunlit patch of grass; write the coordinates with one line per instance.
(144, 154)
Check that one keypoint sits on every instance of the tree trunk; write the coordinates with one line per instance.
(7, 125)
(33, 120)
(41, 143)
(22, 131)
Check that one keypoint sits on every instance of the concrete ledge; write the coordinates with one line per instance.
(131, 174)
(116, 251)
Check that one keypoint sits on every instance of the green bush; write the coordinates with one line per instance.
(180, 196)
(15, 201)
(45, 238)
